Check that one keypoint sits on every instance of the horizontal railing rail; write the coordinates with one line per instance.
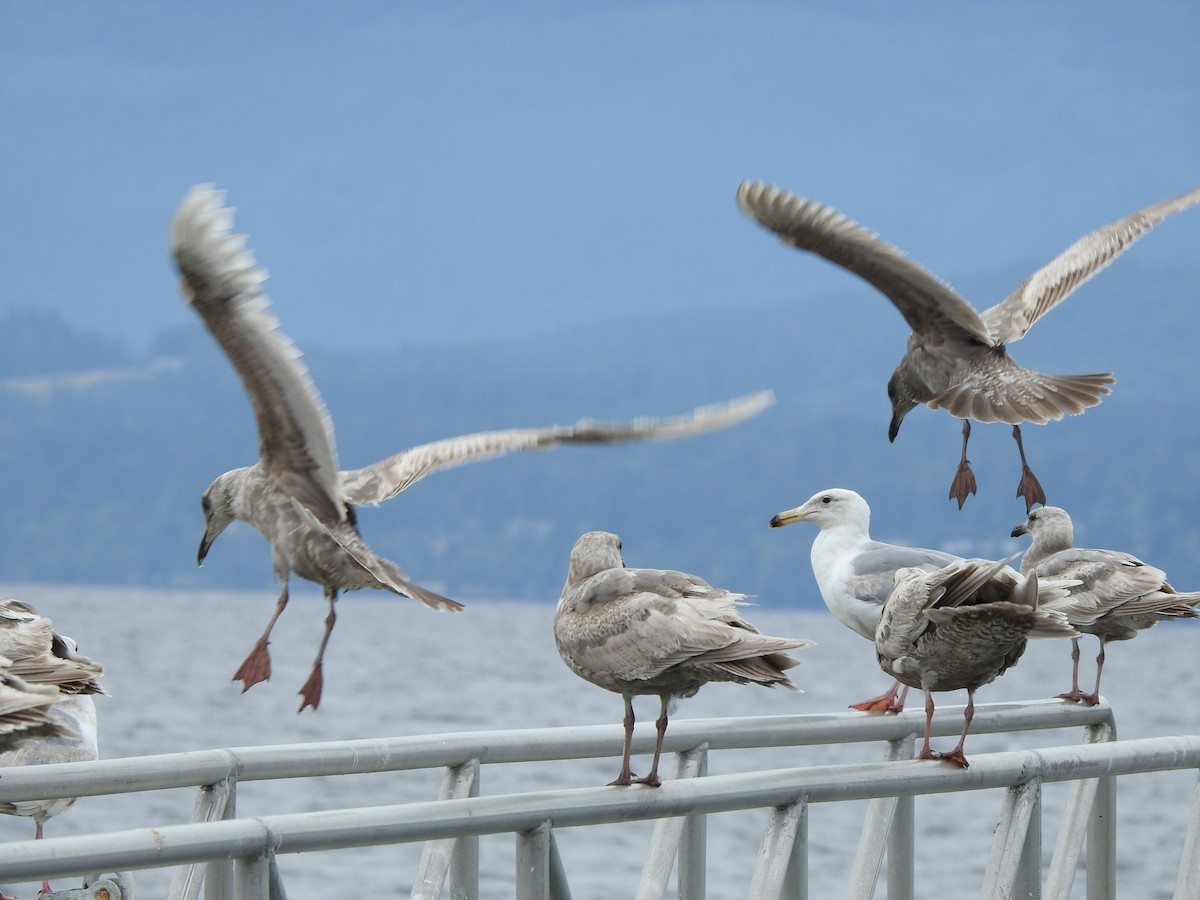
(246, 838)
(202, 767)
(451, 824)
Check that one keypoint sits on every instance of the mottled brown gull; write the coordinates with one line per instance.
(854, 573)
(956, 356)
(961, 627)
(295, 495)
(1116, 594)
(49, 662)
(656, 631)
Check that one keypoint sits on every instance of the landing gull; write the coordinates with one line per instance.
(656, 631)
(1116, 595)
(961, 627)
(295, 495)
(50, 662)
(956, 356)
(854, 573)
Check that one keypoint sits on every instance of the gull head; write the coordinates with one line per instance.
(217, 504)
(594, 552)
(902, 392)
(829, 508)
(1048, 524)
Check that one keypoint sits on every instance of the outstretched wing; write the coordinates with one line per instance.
(1013, 316)
(388, 477)
(926, 302)
(223, 285)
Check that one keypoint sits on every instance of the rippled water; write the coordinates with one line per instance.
(395, 668)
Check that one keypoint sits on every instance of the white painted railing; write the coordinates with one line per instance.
(232, 858)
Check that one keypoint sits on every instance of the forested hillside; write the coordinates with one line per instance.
(105, 449)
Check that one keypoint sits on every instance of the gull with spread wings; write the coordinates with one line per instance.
(295, 495)
(956, 356)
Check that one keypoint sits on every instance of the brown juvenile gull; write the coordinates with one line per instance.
(961, 627)
(655, 631)
(45, 660)
(1117, 594)
(956, 356)
(854, 573)
(295, 494)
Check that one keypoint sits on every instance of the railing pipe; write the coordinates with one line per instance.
(371, 826)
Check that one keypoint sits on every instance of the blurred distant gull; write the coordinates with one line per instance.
(1117, 596)
(655, 631)
(854, 573)
(956, 356)
(961, 627)
(295, 495)
(50, 662)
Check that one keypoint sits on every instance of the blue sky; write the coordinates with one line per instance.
(465, 171)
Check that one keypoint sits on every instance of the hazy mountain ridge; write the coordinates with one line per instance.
(102, 475)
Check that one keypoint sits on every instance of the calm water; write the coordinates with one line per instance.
(395, 668)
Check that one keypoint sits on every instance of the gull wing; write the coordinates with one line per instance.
(927, 303)
(1013, 316)
(223, 285)
(386, 478)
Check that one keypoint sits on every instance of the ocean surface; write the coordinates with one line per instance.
(395, 668)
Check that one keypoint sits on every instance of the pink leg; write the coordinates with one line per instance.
(963, 484)
(1094, 698)
(257, 666)
(1074, 694)
(311, 692)
(885, 702)
(660, 726)
(626, 777)
(1029, 487)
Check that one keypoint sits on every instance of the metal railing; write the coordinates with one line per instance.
(233, 858)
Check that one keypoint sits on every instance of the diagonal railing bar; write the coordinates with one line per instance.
(1187, 885)
(668, 834)
(1076, 822)
(213, 801)
(877, 827)
(777, 853)
(437, 857)
(533, 862)
(1013, 866)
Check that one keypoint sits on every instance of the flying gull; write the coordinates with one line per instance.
(1117, 594)
(956, 356)
(854, 573)
(295, 495)
(961, 627)
(49, 662)
(655, 631)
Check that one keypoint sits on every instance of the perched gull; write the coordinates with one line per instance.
(655, 631)
(1117, 594)
(295, 494)
(961, 627)
(50, 662)
(956, 356)
(854, 573)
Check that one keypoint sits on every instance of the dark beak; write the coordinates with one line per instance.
(894, 428)
(205, 543)
(1021, 529)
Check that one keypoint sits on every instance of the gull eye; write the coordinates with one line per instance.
(826, 500)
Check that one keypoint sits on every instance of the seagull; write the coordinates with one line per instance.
(655, 631)
(1117, 594)
(956, 356)
(295, 495)
(961, 627)
(45, 660)
(854, 573)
